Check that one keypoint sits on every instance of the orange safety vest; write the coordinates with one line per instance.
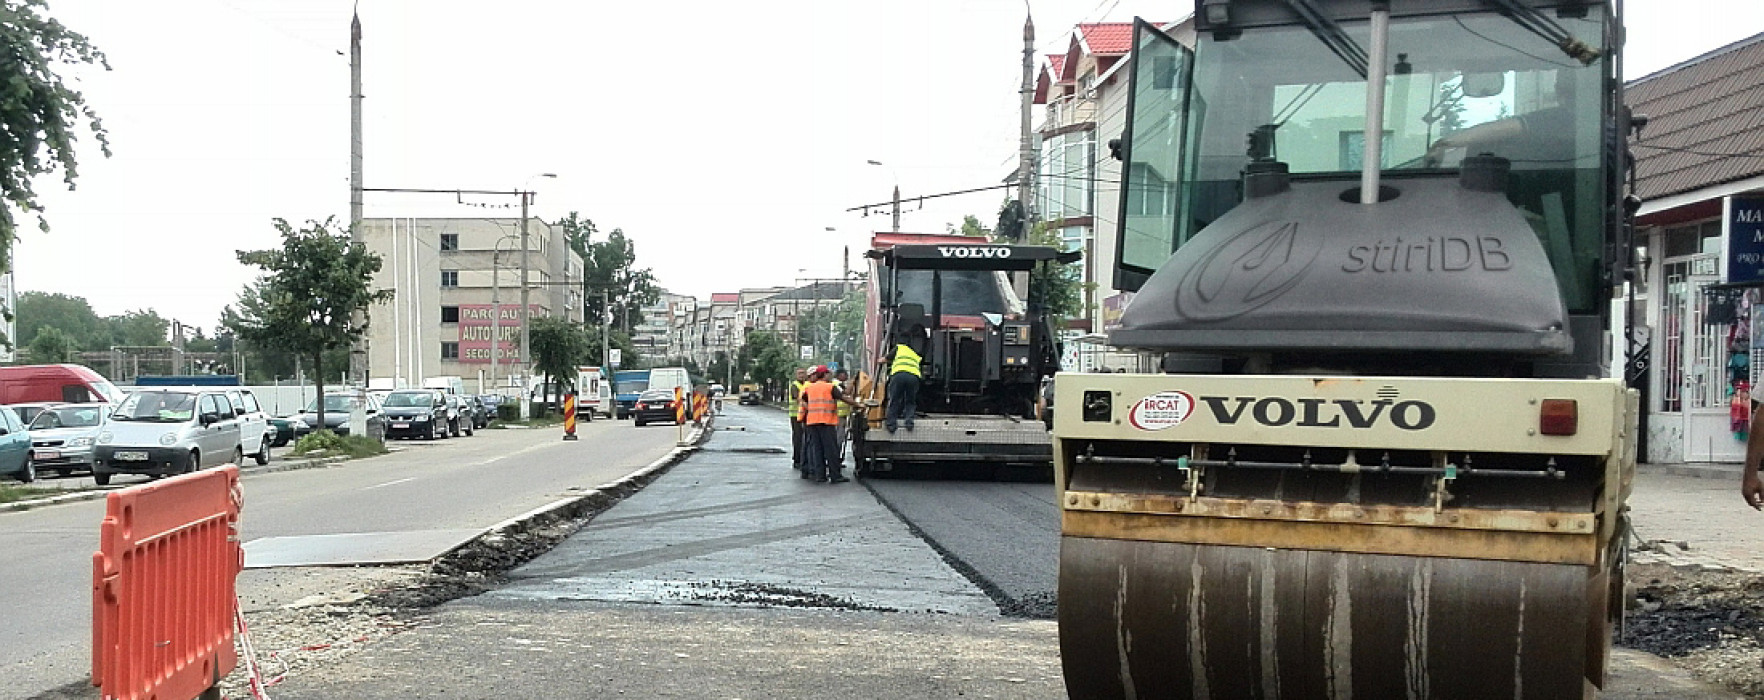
(818, 409)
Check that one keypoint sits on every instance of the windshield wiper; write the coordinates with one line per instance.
(1540, 24)
(1331, 34)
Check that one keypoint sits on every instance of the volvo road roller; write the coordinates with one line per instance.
(1373, 247)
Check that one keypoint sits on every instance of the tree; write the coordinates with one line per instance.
(559, 346)
(39, 113)
(719, 369)
(139, 327)
(71, 315)
(262, 361)
(317, 290)
(1059, 287)
(837, 330)
(971, 227)
(51, 346)
(766, 358)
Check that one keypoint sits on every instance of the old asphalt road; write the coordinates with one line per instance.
(436, 489)
(729, 577)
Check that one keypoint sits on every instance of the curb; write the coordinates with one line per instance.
(101, 491)
(1725, 472)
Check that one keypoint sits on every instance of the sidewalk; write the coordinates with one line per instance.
(1704, 521)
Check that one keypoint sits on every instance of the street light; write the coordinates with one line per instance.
(496, 304)
(526, 195)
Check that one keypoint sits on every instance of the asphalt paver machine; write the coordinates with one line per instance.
(986, 349)
(1382, 456)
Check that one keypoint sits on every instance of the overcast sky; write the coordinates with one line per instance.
(724, 138)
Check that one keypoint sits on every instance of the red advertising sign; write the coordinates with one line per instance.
(478, 323)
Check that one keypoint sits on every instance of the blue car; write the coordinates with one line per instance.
(15, 448)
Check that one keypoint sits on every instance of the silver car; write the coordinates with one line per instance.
(167, 431)
(62, 436)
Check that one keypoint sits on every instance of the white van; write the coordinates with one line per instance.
(669, 378)
(593, 393)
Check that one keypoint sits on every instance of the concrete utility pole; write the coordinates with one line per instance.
(1026, 152)
(358, 368)
(605, 331)
(526, 313)
(896, 227)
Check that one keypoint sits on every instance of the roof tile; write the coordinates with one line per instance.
(1705, 123)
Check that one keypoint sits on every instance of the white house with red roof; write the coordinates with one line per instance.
(1084, 94)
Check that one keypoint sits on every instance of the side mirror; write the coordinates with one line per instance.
(1484, 84)
(210, 418)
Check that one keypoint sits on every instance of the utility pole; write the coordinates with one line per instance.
(358, 368)
(896, 227)
(495, 312)
(526, 311)
(605, 331)
(1026, 150)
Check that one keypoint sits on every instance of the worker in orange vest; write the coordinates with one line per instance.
(820, 423)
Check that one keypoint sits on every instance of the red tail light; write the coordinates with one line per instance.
(1558, 417)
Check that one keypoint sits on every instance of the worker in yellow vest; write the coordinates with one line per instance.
(904, 373)
(820, 418)
(842, 379)
(793, 404)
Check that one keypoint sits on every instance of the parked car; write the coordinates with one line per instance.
(338, 407)
(62, 436)
(485, 412)
(15, 449)
(253, 424)
(284, 428)
(416, 413)
(750, 398)
(167, 431)
(64, 383)
(461, 424)
(27, 412)
(656, 405)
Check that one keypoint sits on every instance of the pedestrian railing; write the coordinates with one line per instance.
(163, 597)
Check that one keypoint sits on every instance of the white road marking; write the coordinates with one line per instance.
(389, 483)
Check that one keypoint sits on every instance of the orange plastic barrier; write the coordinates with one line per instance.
(162, 587)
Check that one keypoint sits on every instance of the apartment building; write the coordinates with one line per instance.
(457, 296)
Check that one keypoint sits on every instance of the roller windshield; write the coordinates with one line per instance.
(1459, 85)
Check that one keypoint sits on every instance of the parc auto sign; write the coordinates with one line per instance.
(974, 251)
(1161, 410)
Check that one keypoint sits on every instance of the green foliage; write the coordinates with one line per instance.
(324, 443)
(559, 346)
(837, 331)
(1059, 287)
(719, 368)
(621, 341)
(315, 293)
(73, 316)
(39, 113)
(508, 412)
(610, 266)
(970, 227)
(766, 359)
(264, 362)
(51, 346)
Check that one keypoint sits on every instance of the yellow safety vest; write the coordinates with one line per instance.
(905, 360)
(844, 409)
(795, 396)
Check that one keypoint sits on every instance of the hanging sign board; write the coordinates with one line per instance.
(1745, 241)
